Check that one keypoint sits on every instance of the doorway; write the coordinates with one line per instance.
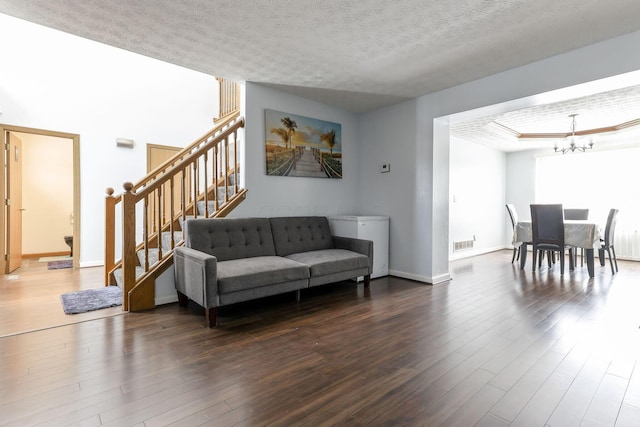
(158, 155)
(49, 187)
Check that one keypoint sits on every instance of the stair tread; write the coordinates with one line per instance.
(117, 274)
(153, 255)
(166, 239)
(211, 203)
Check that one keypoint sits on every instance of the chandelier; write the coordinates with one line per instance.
(571, 140)
(573, 146)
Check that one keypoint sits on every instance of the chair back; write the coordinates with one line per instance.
(576, 214)
(513, 214)
(547, 227)
(610, 228)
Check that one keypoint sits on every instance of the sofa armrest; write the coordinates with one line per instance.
(361, 246)
(196, 276)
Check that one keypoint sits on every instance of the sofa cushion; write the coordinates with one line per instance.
(247, 273)
(230, 238)
(300, 234)
(330, 261)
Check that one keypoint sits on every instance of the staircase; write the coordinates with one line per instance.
(147, 219)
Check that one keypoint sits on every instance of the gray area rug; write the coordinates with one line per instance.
(57, 265)
(91, 299)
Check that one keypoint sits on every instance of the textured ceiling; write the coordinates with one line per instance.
(357, 55)
(593, 111)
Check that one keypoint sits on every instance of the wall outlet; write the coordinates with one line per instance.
(385, 167)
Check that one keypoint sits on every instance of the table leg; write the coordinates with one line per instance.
(590, 262)
(572, 263)
(523, 256)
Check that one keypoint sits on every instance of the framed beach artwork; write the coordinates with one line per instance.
(302, 146)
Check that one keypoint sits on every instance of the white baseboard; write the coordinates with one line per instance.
(166, 299)
(472, 253)
(91, 264)
(622, 258)
(418, 278)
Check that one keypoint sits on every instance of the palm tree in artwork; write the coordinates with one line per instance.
(329, 138)
(282, 133)
(291, 127)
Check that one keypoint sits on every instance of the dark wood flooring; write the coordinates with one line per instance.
(496, 346)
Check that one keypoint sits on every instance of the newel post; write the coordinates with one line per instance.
(109, 235)
(128, 243)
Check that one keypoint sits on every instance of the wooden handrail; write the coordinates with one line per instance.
(163, 167)
(182, 161)
(174, 189)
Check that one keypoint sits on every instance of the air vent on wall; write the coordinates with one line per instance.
(462, 245)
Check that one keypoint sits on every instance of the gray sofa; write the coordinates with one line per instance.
(230, 260)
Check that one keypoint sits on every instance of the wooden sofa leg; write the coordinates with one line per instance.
(183, 300)
(367, 280)
(210, 315)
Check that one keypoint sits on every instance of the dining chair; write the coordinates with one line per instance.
(577, 214)
(547, 229)
(606, 244)
(513, 214)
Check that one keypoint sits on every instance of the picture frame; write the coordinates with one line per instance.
(299, 146)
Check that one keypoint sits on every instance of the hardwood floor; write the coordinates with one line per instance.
(496, 346)
(30, 297)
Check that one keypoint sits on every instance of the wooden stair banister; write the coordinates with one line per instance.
(192, 178)
(229, 98)
(110, 225)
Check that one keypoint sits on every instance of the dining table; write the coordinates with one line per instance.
(577, 233)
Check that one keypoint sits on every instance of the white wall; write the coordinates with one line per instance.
(68, 84)
(285, 196)
(521, 182)
(520, 187)
(54, 81)
(476, 197)
(426, 255)
(386, 194)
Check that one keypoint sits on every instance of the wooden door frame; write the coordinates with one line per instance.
(13, 192)
(76, 187)
(150, 167)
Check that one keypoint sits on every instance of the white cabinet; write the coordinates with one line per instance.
(375, 228)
